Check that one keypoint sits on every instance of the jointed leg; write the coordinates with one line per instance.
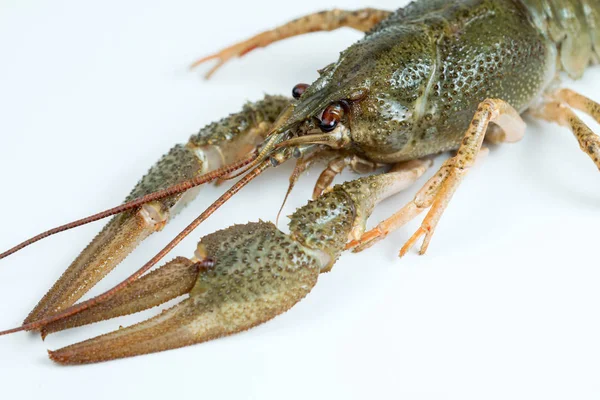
(496, 135)
(560, 113)
(400, 177)
(336, 162)
(362, 20)
(337, 165)
(579, 102)
(438, 191)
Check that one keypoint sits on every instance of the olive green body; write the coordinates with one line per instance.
(427, 67)
(573, 26)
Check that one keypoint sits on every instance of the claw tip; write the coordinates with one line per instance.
(56, 358)
(403, 251)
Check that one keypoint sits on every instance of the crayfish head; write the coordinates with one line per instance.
(377, 90)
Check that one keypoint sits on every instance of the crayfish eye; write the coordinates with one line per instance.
(299, 90)
(331, 117)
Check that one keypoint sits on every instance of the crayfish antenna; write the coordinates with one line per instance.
(170, 191)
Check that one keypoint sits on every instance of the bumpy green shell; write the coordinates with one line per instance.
(428, 66)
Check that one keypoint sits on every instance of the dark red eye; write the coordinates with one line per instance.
(299, 90)
(331, 117)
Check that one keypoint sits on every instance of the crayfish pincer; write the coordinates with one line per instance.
(240, 277)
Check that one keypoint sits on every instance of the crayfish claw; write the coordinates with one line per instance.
(215, 146)
(165, 331)
(174, 279)
(250, 274)
(258, 273)
(119, 237)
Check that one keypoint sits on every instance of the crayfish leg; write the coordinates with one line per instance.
(438, 191)
(362, 20)
(337, 165)
(560, 112)
(580, 102)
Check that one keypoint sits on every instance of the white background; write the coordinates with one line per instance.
(504, 305)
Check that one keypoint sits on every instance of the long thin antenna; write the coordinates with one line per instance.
(170, 191)
(95, 300)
